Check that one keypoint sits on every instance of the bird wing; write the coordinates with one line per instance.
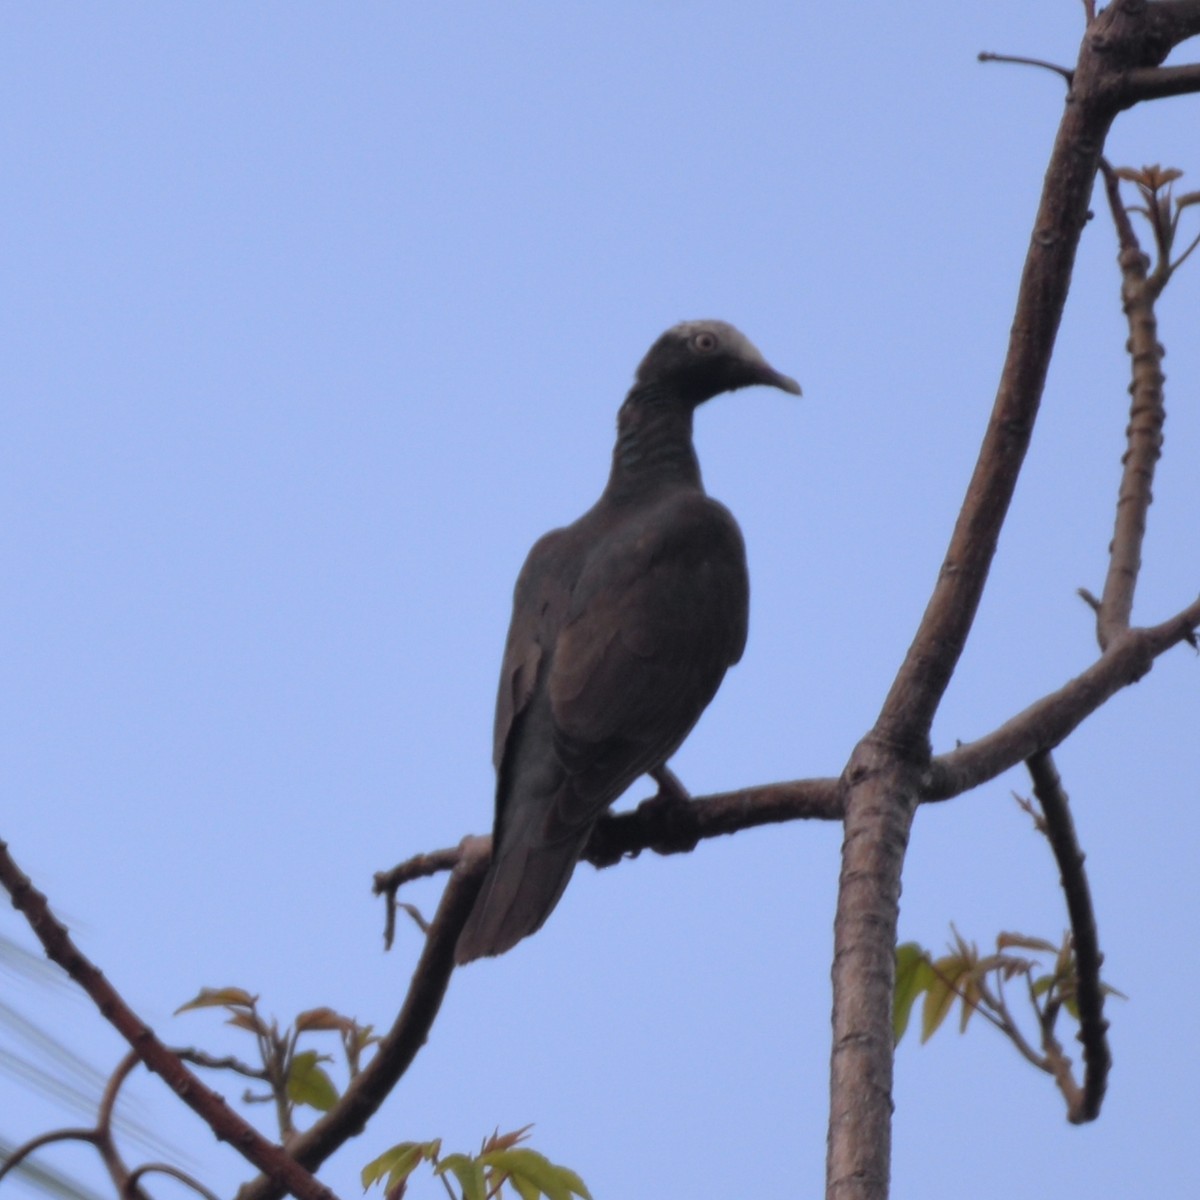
(540, 602)
(658, 614)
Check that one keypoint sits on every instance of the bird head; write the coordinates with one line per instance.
(702, 359)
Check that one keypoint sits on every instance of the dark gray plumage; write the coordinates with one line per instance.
(623, 626)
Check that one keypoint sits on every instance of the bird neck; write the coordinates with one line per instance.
(654, 444)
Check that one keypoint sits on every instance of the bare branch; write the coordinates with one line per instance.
(1159, 83)
(108, 1100)
(922, 679)
(1160, 26)
(105, 1144)
(419, 866)
(175, 1173)
(1046, 722)
(1082, 1104)
(23, 1151)
(677, 828)
(1139, 291)
(224, 1122)
(663, 828)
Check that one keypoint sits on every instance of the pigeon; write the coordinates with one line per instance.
(623, 626)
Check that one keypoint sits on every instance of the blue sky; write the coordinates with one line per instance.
(318, 315)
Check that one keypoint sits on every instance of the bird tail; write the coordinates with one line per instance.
(521, 889)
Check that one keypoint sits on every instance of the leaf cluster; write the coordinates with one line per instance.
(293, 1076)
(500, 1162)
(977, 983)
(1162, 209)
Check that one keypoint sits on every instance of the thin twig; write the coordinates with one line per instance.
(198, 1058)
(1021, 60)
(25, 1149)
(1083, 1105)
(175, 1173)
(1009, 1027)
(106, 1145)
(108, 1101)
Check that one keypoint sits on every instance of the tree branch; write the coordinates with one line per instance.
(1048, 721)
(1083, 1104)
(1159, 83)
(118, 1172)
(1139, 291)
(925, 673)
(25, 1149)
(884, 775)
(224, 1122)
(663, 828)
(1161, 25)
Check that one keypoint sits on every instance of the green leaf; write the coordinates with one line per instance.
(220, 998)
(940, 995)
(469, 1174)
(398, 1163)
(970, 995)
(526, 1166)
(308, 1083)
(913, 976)
(525, 1189)
(404, 1156)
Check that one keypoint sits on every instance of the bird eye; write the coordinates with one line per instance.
(705, 342)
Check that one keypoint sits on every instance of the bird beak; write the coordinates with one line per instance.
(772, 378)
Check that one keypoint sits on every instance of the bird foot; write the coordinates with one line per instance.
(670, 810)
